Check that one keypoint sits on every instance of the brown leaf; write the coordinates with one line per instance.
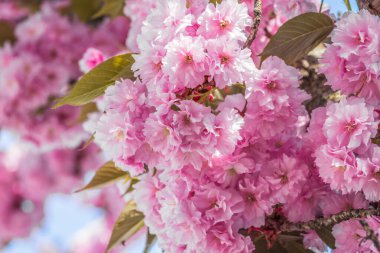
(326, 236)
(94, 83)
(150, 239)
(85, 110)
(108, 173)
(373, 6)
(112, 8)
(128, 224)
(6, 33)
(298, 36)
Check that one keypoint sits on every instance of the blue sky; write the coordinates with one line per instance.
(338, 5)
(65, 214)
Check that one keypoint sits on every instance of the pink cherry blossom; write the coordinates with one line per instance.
(229, 64)
(350, 123)
(226, 19)
(91, 58)
(185, 55)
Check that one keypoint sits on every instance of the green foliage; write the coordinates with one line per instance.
(348, 4)
(150, 239)
(94, 83)
(175, 107)
(6, 33)
(108, 173)
(128, 224)
(86, 110)
(84, 9)
(112, 8)
(298, 36)
(88, 142)
(326, 236)
(285, 243)
(131, 185)
(215, 1)
(376, 141)
(32, 5)
(220, 94)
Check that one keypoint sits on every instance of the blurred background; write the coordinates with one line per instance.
(70, 220)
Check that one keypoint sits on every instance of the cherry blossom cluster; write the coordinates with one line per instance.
(27, 178)
(94, 239)
(274, 14)
(351, 63)
(219, 145)
(351, 237)
(11, 11)
(347, 158)
(40, 68)
(343, 134)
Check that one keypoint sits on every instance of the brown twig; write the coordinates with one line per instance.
(329, 221)
(373, 6)
(257, 11)
(370, 234)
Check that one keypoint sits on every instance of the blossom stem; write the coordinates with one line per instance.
(321, 6)
(373, 6)
(348, 5)
(370, 234)
(329, 221)
(257, 11)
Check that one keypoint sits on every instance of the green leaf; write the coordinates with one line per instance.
(108, 173)
(298, 36)
(295, 247)
(132, 183)
(149, 241)
(88, 142)
(128, 224)
(262, 247)
(215, 1)
(376, 141)
(94, 83)
(325, 233)
(112, 8)
(285, 243)
(32, 5)
(348, 4)
(85, 111)
(6, 33)
(175, 107)
(84, 9)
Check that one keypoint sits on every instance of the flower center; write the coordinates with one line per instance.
(251, 197)
(188, 59)
(119, 134)
(343, 168)
(362, 37)
(166, 132)
(284, 179)
(158, 65)
(224, 59)
(224, 23)
(271, 85)
(215, 204)
(351, 126)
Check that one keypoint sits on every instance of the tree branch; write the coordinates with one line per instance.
(370, 234)
(329, 221)
(257, 11)
(373, 6)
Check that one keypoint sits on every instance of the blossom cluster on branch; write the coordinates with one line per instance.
(46, 156)
(206, 120)
(220, 144)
